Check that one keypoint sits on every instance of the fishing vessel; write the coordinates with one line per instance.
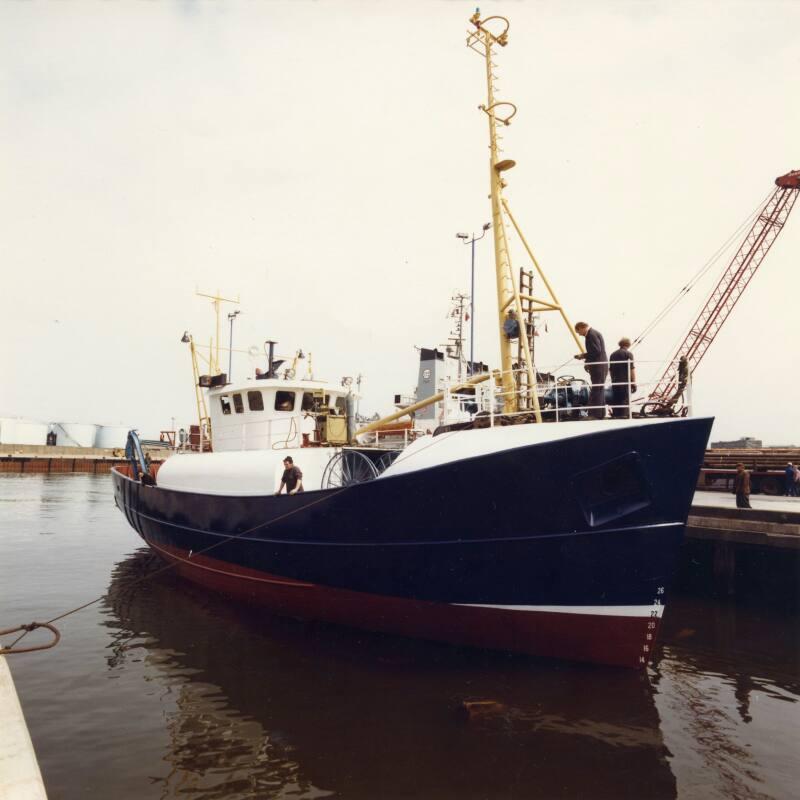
(528, 527)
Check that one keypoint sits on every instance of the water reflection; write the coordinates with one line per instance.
(726, 686)
(262, 707)
(750, 647)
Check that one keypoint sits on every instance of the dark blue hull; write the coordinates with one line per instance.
(584, 529)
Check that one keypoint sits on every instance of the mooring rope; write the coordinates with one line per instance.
(26, 629)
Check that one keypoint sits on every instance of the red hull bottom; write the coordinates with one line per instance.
(597, 638)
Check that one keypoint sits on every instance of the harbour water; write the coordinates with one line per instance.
(159, 690)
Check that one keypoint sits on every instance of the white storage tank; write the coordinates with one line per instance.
(22, 431)
(111, 436)
(74, 434)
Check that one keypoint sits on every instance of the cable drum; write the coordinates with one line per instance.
(386, 460)
(348, 468)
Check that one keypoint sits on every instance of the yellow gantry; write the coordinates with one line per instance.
(203, 418)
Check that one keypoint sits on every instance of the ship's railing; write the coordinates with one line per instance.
(390, 438)
(564, 396)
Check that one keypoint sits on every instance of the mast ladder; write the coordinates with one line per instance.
(527, 329)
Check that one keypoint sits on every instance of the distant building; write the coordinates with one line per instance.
(745, 443)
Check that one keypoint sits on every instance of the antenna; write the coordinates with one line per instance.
(217, 300)
(455, 341)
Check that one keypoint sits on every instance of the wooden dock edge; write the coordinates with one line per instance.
(20, 777)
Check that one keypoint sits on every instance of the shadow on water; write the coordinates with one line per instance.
(265, 707)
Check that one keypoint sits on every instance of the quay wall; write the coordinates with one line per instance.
(97, 466)
(747, 555)
(57, 459)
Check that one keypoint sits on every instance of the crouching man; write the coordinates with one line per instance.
(292, 477)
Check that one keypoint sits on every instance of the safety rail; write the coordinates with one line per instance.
(390, 438)
(562, 396)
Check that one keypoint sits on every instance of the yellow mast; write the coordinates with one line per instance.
(483, 41)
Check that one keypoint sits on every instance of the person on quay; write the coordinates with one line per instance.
(741, 487)
(623, 379)
(790, 486)
(292, 477)
(796, 481)
(597, 367)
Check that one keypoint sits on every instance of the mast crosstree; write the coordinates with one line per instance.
(518, 378)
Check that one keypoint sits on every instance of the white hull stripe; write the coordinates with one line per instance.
(605, 611)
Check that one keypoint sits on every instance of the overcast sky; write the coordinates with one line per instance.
(317, 159)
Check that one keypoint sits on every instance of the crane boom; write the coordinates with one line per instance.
(730, 287)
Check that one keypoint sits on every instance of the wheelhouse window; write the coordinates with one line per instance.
(308, 402)
(225, 402)
(238, 403)
(612, 490)
(255, 401)
(284, 401)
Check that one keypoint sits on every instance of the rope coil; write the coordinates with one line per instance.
(26, 629)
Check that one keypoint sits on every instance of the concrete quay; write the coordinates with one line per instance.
(772, 521)
(20, 777)
(751, 554)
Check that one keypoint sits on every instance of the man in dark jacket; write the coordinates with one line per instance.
(292, 477)
(741, 487)
(597, 367)
(623, 379)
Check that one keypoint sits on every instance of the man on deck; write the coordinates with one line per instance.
(623, 379)
(292, 477)
(597, 367)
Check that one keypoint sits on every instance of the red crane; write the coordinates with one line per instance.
(729, 289)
